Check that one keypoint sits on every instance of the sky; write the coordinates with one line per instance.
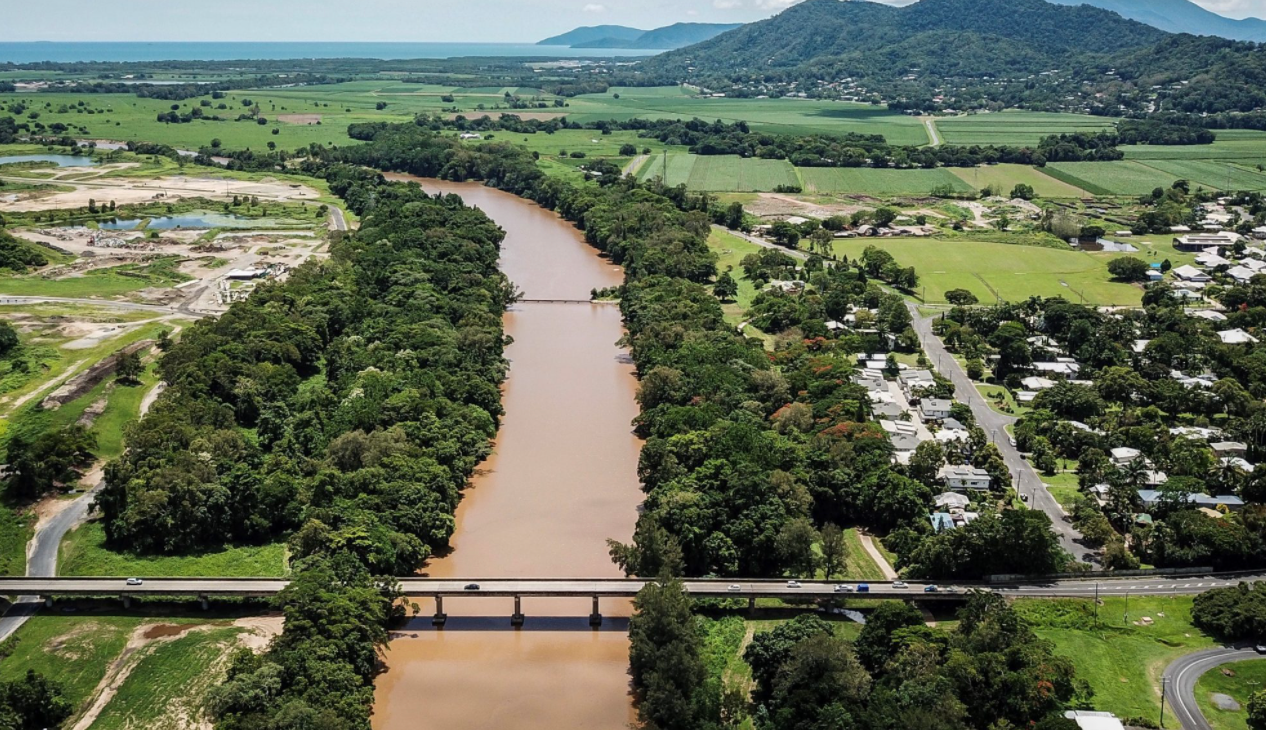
(499, 21)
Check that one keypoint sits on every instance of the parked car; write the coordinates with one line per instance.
(793, 584)
(843, 589)
(900, 584)
(135, 581)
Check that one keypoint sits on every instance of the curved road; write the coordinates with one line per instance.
(1183, 674)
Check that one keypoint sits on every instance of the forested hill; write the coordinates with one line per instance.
(1181, 16)
(943, 37)
(677, 35)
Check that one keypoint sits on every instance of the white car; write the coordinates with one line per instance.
(844, 589)
(899, 584)
(734, 588)
(793, 584)
(135, 581)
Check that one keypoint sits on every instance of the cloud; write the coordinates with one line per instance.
(595, 8)
(775, 4)
(1236, 8)
(727, 4)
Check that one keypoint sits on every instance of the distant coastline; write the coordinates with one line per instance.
(59, 52)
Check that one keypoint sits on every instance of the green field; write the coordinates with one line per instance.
(1004, 178)
(84, 552)
(1214, 174)
(1124, 177)
(719, 173)
(1249, 677)
(1016, 127)
(1244, 146)
(879, 182)
(999, 270)
(1121, 659)
(74, 650)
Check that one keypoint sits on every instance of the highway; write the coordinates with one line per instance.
(1183, 674)
(627, 587)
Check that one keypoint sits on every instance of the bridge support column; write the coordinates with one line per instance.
(127, 601)
(595, 618)
(751, 605)
(206, 603)
(516, 618)
(48, 601)
(440, 618)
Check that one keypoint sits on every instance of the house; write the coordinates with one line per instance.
(1025, 397)
(1210, 315)
(912, 380)
(905, 441)
(948, 435)
(1195, 432)
(789, 287)
(1187, 272)
(941, 522)
(471, 135)
(953, 424)
(1179, 229)
(1226, 449)
(1237, 463)
(886, 410)
(1198, 242)
(1138, 346)
(1187, 294)
(1155, 275)
(1035, 383)
(895, 427)
(935, 409)
(1212, 260)
(965, 477)
(1259, 232)
(1087, 720)
(1241, 274)
(1123, 455)
(1227, 502)
(1236, 337)
(952, 500)
(1065, 366)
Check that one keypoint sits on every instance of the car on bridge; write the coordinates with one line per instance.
(844, 589)
(472, 586)
(931, 589)
(793, 584)
(734, 588)
(135, 581)
(900, 584)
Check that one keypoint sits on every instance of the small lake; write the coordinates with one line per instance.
(188, 220)
(59, 160)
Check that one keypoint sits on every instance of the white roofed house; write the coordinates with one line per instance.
(1123, 455)
(1227, 449)
(1212, 260)
(965, 477)
(953, 500)
(1034, 383)
(1211, 315)
(935, 409)
(1187, 272)
(1198, 242)
(1236, 337)
(1241, 274)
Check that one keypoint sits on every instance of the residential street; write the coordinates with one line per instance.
(1028, 481)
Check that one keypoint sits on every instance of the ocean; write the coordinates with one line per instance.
(72, 52)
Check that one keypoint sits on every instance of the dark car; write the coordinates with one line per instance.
(472, 586)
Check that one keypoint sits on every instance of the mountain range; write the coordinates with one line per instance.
(678, 35)
(1181, 16)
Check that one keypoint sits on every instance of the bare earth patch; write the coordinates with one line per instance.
(303, 119)
(130, 191)
(542, 116)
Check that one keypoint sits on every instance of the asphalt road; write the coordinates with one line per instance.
(628, 587)
(1028, 483)
(1183, 674)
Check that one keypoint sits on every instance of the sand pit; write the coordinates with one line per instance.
(124, 191)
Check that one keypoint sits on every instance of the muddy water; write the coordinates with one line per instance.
(561, 481)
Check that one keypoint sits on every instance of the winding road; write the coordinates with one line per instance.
(1183, 674)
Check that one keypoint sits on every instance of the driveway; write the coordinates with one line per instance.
(995, 425)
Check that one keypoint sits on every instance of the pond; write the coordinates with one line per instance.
(187, 220)
(58, 160)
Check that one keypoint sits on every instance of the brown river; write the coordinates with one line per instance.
(561, 481)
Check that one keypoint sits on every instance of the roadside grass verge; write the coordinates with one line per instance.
(84, 553)
(1120, 658)
(1248, 677)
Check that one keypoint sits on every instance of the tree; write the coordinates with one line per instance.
(215, 144)
(834, 551)
(795, 547)
(960, 297)
(664, 655)
(1022, 191)
(926, 462)
(975, 368)
(653, 552)
(54, 457)
(8, 338)
(628, 150)
(130, 368)
(884, 217)
(734, 216)
(726, 288)
(770, 650)
(1128, 269)
(32, 703)
(1257, 710)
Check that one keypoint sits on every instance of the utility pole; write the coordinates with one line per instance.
(1164, 681)
(1096, 603)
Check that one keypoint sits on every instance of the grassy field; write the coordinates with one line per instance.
(83, 552)
(1244, 146)
(1016, 127)
(879, 182)
(787, 116)
(1214, 174)
(16, 529)
(719, 173)
(75, 650)
(1124, 177)
(730, 250)
(860, 566)
(1249, 677)
(1121, 659)
(1004, 178)
(1002, 271)
(166, 689)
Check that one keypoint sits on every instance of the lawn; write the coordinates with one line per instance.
(1001, 400)
(1004, 178)
(1121, 659)
(1249, 677)
(859, 566)
(879, 182)
(1004, 271)
(74, 650)
(84, 552)
(1016, 127)
(167, 688)
(730, 250)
